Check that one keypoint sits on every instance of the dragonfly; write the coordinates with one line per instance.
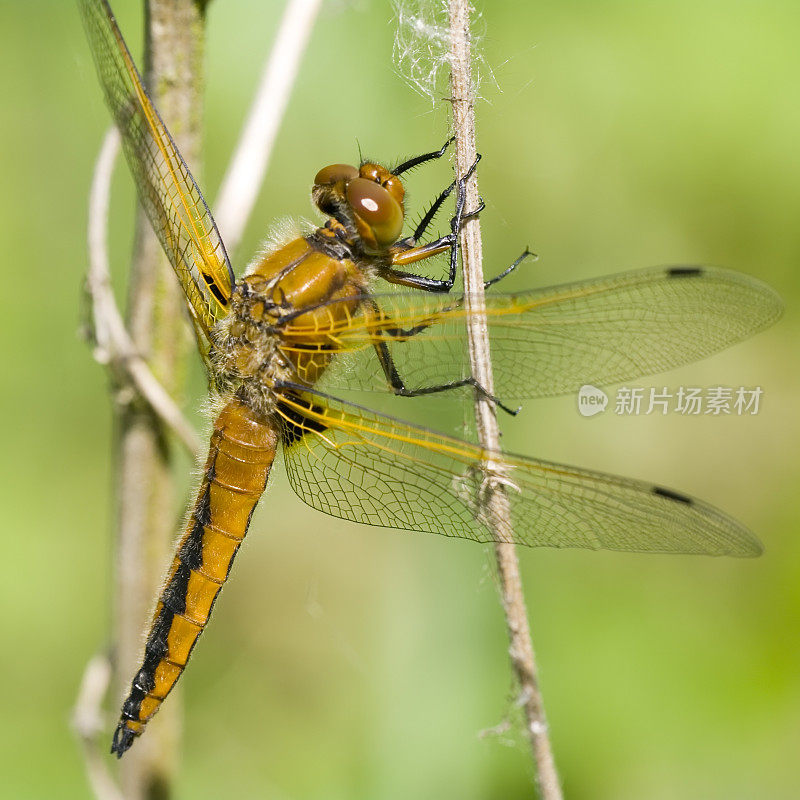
(305, 323)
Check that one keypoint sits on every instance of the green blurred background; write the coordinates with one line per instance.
(354, 662)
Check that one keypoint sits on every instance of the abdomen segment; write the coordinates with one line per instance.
(240, 457)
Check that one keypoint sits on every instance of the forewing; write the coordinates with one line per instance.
(166, 188)
(552, 341)
(358, 465)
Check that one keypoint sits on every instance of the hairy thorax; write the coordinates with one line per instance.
(298, 287)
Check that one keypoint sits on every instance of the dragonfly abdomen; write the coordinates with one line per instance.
(241, 454)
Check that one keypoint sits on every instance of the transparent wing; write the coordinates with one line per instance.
(356, 464)
(166, 188)
(549, 341)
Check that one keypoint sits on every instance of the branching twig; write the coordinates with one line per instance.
(113, 344)
(245, 174)
(495, 499)
(88, 724)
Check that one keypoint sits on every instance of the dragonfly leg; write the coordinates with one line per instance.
(508, 270)
(401, 390)
(410, 242)
(395, 380)
(423, 159)
(439, 246)
(419, 231)
(381, 324)
(405, 254)
(406, 251)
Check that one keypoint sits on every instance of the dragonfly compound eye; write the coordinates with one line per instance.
(334, 173)
(374, 206)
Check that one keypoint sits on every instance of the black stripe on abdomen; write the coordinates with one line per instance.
(173, 600)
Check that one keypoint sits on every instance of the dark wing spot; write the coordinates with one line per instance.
(670, 495)
(684, 272)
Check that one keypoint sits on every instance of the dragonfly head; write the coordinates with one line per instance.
(368, 200)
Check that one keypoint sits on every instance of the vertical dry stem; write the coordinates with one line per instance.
(521, 646)
(145, 494)
(245, 174)
(89, 725)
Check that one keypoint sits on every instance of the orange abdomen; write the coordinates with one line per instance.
(239, 460)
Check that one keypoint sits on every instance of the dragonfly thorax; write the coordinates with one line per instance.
(246, 349)
(279, 312)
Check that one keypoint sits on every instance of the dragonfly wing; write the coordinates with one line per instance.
(359, 465)
(552, 341)
(166, 188)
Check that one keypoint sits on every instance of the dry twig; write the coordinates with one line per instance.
(496, 502)
(89, 726)
(113, 345)
(245, 174)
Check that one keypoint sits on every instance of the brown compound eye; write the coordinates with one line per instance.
(377, 208)
(335, 173)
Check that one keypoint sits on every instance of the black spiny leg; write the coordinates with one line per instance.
(406, 251)
(508, 270)
(486, 284)
(395, 380)
(419, 232)
(423, 159)
(400, 389)
(405, 256)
